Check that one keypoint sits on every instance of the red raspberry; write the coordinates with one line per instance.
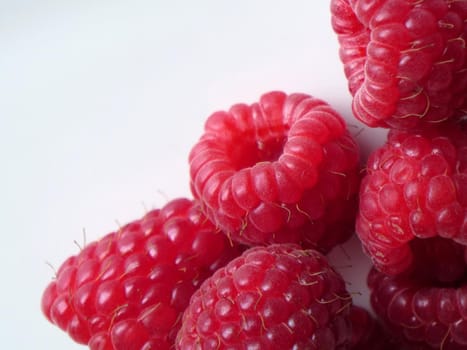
(283, 170)
(405, 60)
(274, 297)
(415, 187)
(128, 290)
(426, 312)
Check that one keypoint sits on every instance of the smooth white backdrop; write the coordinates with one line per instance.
(100, 103)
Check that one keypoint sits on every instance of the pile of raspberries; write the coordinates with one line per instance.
(276, 185)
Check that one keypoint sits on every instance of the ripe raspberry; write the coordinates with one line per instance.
(128, 290)
(405, 60)
(415, 187)
(274, 297)
(284, 170)
(420, 309)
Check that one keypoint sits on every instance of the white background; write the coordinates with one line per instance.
(100, 103)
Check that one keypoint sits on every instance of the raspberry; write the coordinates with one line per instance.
(283, 170)
(415, 188)
(405, 60)
(426, 313)
(129, 289)
(274, 297)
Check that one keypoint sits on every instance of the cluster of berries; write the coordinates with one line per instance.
(276, 185)
(242, 264)
(406, 64)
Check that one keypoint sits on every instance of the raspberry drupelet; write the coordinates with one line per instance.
(405, 60)
(271, 297)
(282, 170)
(415, 188)
(129, 289)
